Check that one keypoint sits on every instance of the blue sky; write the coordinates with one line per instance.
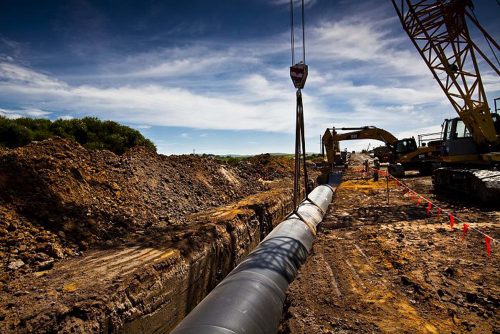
(213, 75)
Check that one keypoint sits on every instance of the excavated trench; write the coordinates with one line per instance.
(180, 288)
(250, 299)
(92, 242)
(146, 288)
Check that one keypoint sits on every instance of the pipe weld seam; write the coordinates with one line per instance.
(316, 205)
(308, 224)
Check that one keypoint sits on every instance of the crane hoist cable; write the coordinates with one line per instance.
(292, 32)
(298, 74)
(486, 36)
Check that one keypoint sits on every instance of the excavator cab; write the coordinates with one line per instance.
(404, 146)
(408, 156)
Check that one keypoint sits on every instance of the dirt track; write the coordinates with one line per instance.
(389, 268)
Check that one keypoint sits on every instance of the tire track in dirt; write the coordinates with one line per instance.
(392, 269)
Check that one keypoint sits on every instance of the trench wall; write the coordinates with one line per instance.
(161, 296)
(144, 288)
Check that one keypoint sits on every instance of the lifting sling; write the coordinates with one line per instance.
(298, 74)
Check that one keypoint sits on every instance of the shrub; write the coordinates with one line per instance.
(90, 132)
(14, 135)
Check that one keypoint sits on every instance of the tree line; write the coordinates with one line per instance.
(90, 132)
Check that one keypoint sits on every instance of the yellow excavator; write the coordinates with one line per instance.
(402, 154)
(470, 146)
(331, 139)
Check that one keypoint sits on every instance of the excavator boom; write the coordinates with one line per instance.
(367, 132)
(331, 138)
(398, 151)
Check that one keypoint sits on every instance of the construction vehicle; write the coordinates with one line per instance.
(402, 154)
(331, 139)
(470, 146)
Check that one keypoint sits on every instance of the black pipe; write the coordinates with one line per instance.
(250, 299)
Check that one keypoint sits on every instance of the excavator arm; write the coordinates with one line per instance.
(331, 138)
(367, 132)
(330, 146)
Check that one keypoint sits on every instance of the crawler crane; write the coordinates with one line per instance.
(470, 147)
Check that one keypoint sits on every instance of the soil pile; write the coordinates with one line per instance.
(269, 167)
(57, 199)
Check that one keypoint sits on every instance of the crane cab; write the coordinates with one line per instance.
(457, 143)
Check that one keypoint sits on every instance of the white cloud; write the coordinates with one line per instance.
(11, 114)
(367, 43)
(177, 63)
(360, 74)
(142, 126)
(19, 74)
(35, 112)
(156, 105)
(25, 112)
(376, 93)
(176, 67)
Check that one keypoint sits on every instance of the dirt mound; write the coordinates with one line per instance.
(57, 199)
(268, 166)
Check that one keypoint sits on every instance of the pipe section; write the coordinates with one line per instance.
(250, 299)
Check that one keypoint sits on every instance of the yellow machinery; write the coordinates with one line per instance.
(470, 147)
(403, 154)
(331, 139)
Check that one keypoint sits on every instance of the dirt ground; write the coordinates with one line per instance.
(57, 199)
(375, 267)
(76, 224)
(379, 267)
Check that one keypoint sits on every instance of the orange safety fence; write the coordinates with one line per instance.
(431, 207)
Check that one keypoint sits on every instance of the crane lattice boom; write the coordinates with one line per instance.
(439, 31)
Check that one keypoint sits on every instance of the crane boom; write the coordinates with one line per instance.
(439, 31)
(470, 159)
